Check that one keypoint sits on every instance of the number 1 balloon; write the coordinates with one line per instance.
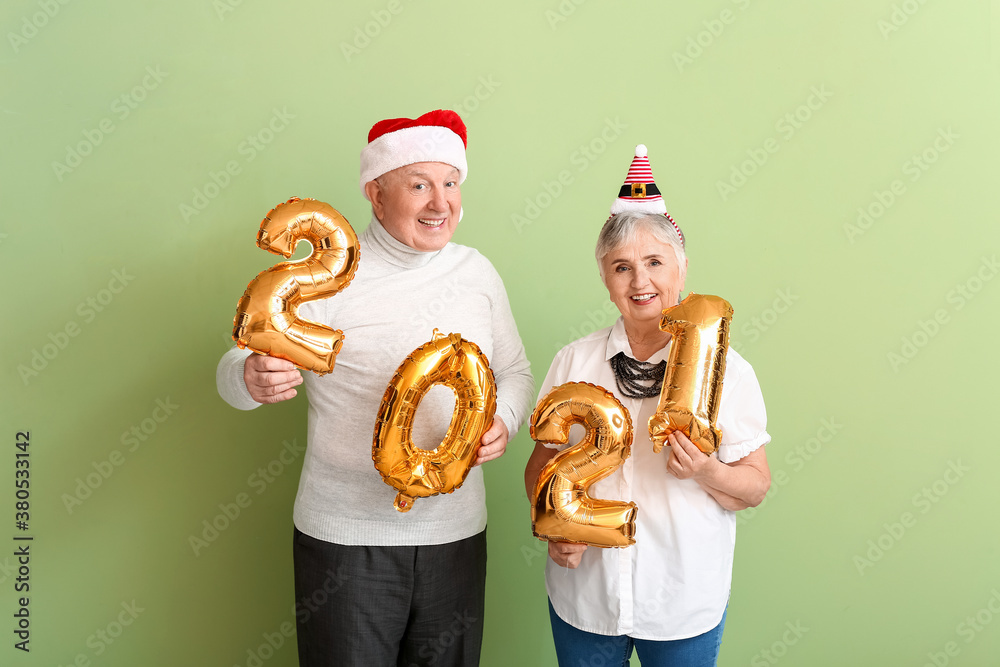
(696, 366)
(267, 319)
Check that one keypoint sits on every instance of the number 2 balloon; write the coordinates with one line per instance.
(267, 319)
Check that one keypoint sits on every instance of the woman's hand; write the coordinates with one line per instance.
(736, 486)
(686, 461)
(566, 554)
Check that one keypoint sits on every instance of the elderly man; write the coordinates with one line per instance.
(374, 586)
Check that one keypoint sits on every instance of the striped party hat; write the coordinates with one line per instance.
(639, 193)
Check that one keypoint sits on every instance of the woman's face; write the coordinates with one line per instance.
(643, 278)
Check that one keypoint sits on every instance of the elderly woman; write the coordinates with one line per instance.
(667, 594)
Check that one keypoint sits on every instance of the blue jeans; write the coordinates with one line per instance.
(578, 648)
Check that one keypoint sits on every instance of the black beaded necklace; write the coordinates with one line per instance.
(632, 376)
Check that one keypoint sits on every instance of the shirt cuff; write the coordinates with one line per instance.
(737, 450)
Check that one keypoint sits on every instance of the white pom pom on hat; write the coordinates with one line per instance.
(640, 193)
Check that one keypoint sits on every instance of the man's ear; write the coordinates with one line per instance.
(374, 192)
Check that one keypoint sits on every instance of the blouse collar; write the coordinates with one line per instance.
(383, 244)
(618, 342)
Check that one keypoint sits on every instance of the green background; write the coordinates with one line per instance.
(544, 88)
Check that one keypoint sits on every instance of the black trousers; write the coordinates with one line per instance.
(389, 606)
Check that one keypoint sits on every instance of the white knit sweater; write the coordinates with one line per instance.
(398, 297)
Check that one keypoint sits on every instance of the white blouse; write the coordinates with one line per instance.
(674, 582)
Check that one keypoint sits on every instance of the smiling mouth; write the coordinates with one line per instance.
(433, 223)
(643, 298)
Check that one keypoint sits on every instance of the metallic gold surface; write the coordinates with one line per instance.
(696, 366)
(415, 472)
(267, 318)
(561, 508)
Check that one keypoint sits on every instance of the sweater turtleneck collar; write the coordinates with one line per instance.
(379, 241)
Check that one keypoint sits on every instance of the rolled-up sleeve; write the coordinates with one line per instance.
(742, 416)
(229, 380)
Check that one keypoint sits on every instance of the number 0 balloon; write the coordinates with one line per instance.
(267, 317)
(417, 473)
(696, 366)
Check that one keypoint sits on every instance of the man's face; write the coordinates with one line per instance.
(418, 204)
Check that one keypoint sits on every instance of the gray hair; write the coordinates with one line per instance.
(622, 228)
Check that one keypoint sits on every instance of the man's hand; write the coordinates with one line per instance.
(566, 554)
(493, 443)
(269, 379)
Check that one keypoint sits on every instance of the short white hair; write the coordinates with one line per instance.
(622, 228)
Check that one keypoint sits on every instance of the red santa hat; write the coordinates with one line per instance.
(436, 136)
(640, 193)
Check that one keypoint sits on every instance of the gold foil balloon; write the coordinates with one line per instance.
(267, 316)
(417, 473)
(561, 508)
(696, 366)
